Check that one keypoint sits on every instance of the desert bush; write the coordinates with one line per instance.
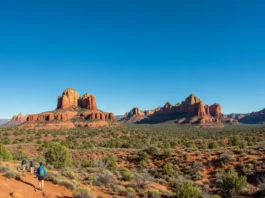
(19, 154)
(127, 175)
(153, 151)
(67, 184)
(82, 192)
(69, 173)
(230, 183)
(186, 189)
(234, 141)
(12, 173)
(168, 168)
(5, 155)
(119, 189)
(226, 158)
(130, 193)
(3, 168)
(154, 194)
(58, 179)
(212, 145)
(58, 156)
(143, 156)
(88, 163)
(195, 170)
(261, 183)
(105, 178)
(142, 179)
(111, 162)
(248, 169)
(168, 152)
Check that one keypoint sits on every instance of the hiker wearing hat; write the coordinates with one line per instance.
(41, 174)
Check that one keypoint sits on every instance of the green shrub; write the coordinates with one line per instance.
(168, 168)
(212, 145)
(130, 193)
(82, 192)
(19, 155)
(58, 156)
(5, 155)
(234, 141)
(88, 163)
(127, 175)
(186, 189)
(67, 172)
(111, 162)
(154, 194)
(119, 189)
(231, 183)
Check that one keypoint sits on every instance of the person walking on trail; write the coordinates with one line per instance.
(32, 167)
(41, 174)
(24, 165)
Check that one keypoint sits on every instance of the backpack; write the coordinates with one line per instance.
(31, 164)
(41, 172)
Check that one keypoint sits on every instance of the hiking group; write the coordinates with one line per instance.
(40, 172)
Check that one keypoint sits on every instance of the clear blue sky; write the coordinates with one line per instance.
(132, 53)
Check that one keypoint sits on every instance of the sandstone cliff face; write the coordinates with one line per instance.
(88, 101)
(135, 112)
(215, 110)
(70, 98)
(50, 116)
(189, 108)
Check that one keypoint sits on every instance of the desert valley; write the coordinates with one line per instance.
(185, 150)
(132, 99)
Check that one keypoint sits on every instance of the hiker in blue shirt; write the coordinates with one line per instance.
(41, 174)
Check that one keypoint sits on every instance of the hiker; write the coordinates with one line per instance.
(32, 167)
(41, 174)
(24, 165)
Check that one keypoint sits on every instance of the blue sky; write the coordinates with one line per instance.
(132, 53)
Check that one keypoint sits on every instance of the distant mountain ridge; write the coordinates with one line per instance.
(16, 120)
(254, 118)
(191, 110)
(3, 121)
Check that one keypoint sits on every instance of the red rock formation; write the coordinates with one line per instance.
(135, 112)
(216, 110)
(70, 98)
(16, 120)
(207, 109)
(189, 108)
(50, 116)
(88, 101)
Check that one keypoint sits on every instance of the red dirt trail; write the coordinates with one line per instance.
(27, 187)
